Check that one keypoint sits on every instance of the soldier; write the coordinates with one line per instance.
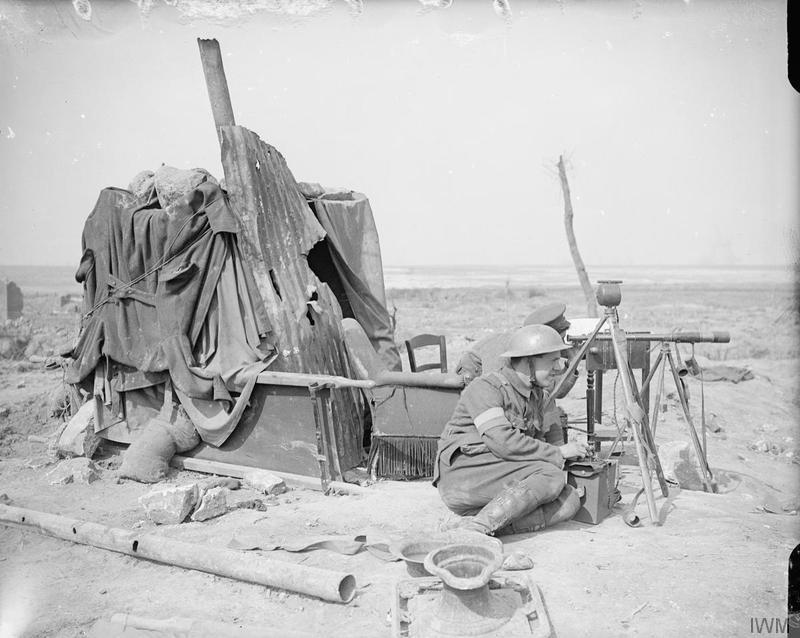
(484, 356)
(496, 462)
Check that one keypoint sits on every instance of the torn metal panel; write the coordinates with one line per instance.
(278, 231)
(278, 431)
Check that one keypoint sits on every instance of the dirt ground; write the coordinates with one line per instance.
(718, 561)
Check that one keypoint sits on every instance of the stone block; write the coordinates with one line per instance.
(264, 482)
(214, 502)
(78, 437)
(171, 505)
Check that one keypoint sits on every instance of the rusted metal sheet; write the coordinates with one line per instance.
(278, 231)
(277, 431)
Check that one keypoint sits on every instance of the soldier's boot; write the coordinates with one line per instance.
(510, 504)
(562, 509)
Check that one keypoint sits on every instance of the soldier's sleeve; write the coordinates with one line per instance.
(484, 402)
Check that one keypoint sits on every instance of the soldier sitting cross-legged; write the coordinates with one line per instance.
(496, 464)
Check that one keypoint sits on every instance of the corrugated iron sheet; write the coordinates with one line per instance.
(278, 231)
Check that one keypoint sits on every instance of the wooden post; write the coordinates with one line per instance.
(277, 232)
(217, 84)
(591, 304)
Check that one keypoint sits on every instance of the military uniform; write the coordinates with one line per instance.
(497, 438)
(485, 356)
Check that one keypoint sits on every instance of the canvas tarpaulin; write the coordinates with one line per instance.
(166, 295)
(349, 219)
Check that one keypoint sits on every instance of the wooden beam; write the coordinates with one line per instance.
(238, 471)
(217, 84)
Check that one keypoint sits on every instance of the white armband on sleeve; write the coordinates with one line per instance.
(489, 419)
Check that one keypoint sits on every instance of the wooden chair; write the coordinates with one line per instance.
(423, 341)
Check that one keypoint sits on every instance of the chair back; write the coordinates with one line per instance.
(424, 341)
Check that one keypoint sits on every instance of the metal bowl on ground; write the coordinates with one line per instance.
(414, 550)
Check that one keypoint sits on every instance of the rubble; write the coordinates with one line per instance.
(213, 502)
(171, 505)
(263, 481)
(77, 470)
(78, 437)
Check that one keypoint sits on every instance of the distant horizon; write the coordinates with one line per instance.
(795, 265)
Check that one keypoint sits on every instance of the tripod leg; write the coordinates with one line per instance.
(634, 411)
(649, 438)
(708, 478)
(659, 391)
(590, 406)
(652, 371)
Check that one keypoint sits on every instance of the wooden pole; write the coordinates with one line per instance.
(336, 587)
(239, 471)
(217, 84)
(591, 304)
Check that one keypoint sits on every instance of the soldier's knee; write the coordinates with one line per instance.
(554, 482)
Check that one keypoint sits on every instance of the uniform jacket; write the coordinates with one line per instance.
(501, 414)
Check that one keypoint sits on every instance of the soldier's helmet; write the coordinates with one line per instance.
(532, 340)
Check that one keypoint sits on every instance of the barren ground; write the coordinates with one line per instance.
(718, 560)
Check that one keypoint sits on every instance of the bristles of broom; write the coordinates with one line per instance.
(403, 457)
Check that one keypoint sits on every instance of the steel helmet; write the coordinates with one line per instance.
(532, 340)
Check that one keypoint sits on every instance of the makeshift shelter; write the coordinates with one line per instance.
(179, 295)
(220, 310)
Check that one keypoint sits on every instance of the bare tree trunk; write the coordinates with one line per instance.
(591, 304)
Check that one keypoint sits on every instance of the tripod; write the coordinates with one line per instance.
(665, 356)
(609, 296)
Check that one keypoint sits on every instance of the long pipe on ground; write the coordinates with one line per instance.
(336, 587)
(202, 628)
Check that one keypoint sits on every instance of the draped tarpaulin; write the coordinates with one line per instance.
(166, 295)
(355, 252)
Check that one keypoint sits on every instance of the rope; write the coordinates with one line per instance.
(158, 265)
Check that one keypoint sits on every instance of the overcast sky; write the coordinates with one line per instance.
(678, 121)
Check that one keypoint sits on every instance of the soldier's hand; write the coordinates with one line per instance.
(574, 450)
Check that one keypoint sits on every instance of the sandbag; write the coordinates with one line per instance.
(147, 459)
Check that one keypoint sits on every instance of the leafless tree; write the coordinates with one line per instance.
(583, 277)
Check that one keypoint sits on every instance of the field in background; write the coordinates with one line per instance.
(465, 303)
(762, 319)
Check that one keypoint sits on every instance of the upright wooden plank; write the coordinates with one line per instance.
(216, 83)
(278, 230)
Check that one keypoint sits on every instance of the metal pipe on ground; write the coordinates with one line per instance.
(203, 628)
(336, 587)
